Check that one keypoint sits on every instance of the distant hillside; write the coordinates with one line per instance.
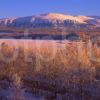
(51, 20)
(52, 26)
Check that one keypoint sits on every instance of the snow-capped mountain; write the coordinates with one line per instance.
(51, 19)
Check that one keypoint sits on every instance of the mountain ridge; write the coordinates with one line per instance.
(51, 19)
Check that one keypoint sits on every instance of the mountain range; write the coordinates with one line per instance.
(51, 20)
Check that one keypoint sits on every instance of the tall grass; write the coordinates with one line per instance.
(66, 68)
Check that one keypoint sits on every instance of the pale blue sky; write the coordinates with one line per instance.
(15, 8)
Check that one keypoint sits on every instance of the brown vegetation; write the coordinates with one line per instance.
(68, 67)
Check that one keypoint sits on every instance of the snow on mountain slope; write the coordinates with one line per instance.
(50, 19)
(54, 16)
(96, 21)
(6, 21)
